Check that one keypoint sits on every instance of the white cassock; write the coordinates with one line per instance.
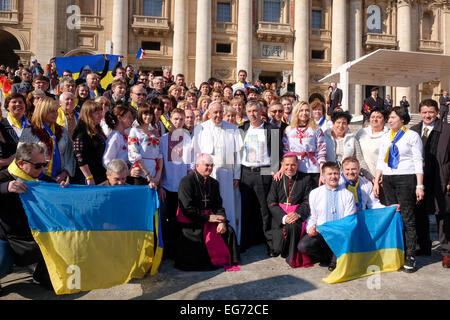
(223, 142)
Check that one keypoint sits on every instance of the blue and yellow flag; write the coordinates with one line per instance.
(364, 243)
(94, 237)
(95, 62)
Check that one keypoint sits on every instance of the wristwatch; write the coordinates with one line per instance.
(420, 187)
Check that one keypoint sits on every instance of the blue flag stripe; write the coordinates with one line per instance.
(365, 231)
(75, 64)
(95, 208)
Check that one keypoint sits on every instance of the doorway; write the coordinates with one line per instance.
(8, 43)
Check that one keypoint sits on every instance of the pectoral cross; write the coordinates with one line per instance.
(205, 201)
(287, 204)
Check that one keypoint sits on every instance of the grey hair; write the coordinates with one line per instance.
(25, 149)
(204, 156)
(213, 103)
(252, 103)
(64, 80)
(64, 94)
(117, 166)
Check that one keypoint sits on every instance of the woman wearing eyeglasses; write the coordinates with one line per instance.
(56, 138)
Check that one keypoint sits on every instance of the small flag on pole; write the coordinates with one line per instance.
(140, 54)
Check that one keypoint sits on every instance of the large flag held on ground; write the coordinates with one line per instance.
(94, 237)
(365, 243)
(95, 62)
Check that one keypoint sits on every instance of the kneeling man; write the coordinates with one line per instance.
(288, 205)
(327, 203)
(205, 240)
(360, 187)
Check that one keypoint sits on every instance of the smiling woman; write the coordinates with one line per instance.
(56, 138)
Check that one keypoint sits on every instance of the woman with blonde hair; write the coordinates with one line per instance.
(238, 105)
(175, 91)
(56, 138)
(305, 138)
(89, 144)
(203, 103)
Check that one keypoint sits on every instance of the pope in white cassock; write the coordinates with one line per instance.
(223, 142)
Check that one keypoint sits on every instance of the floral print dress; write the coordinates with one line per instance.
(146, 148)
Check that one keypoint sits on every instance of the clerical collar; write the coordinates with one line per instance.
(291, 177)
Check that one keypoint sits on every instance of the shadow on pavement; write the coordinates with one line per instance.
(260, 289)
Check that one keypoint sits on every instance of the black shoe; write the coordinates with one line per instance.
(331, 266)
(410, 264)
(271, 253)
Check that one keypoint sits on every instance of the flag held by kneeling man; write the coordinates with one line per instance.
(363, 242)
(94, 237)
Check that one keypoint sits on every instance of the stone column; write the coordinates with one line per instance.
(203, 42)
(256, 73)
(120, 29)
(244, 38)
(301, 49)
(179, 38)
(339, 35)
(404, 41)
(45, 30)
(355, 52)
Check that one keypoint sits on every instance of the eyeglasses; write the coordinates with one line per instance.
(140, 94)
(38, 166)
(277, 111)
(239, 94)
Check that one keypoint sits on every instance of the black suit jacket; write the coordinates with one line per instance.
(275, 163)
(336, 102)
(436, 153)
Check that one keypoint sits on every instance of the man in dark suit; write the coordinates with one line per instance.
(444, 101)
(259, 163)
(435, 137)
(335, 98)
(372, 102)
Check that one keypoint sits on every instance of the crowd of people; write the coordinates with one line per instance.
(236, 164)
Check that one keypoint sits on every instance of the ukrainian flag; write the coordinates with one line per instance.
(364, 243)
(94, 237)
(95, 62)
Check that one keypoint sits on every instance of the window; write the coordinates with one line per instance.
(5, 5)
(272, 11)
(151, 45)
(318, 54)
(316, 19)
(223, 12)
(223, 48)
(152, 8)
(87, 7)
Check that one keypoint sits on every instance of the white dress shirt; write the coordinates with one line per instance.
(410, 154)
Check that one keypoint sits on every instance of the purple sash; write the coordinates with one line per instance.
(217, 249)
(299, 259)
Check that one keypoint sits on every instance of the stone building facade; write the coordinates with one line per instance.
(295, 41)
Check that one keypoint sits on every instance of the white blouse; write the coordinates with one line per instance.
(116, 148)
(410, 154)
(144, 147)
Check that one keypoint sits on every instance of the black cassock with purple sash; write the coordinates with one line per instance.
(198, 246)
(286, 196)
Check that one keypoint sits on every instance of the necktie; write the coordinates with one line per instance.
(425, 132)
